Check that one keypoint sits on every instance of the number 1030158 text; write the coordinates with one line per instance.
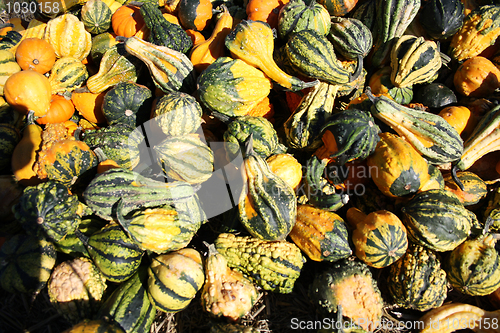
(31, 7)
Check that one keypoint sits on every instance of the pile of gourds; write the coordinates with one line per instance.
(362, 136)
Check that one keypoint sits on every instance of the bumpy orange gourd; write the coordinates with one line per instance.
(127, 21)
(461, 118)
(477, 77)
(61, 110)
(28, 90)
(36, 54)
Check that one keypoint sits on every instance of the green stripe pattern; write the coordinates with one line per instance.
(67, 74)
(350, 37)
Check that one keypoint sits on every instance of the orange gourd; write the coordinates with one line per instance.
(127, 21)
(61, 109)
(196, 36)
(89, 105)
(106, 165)
(205, 53)
(461, 118)
(24, 155)
(28, 91)
(265, 11)
(36, 54)
(194, 14)
(477, 77)
(172, 6)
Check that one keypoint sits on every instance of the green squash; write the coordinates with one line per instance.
(350, 37)
(123, 104)
(417, 280)
(441, 19)
(67, 74)
(296, 15)
(96, 16)
(474, 188)
(435, 95)
(11, 39)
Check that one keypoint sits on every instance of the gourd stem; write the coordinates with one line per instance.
(101, 155)
(354, 216)
(455, 177)
(354, 76)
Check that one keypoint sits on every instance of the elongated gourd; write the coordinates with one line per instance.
(252, 41)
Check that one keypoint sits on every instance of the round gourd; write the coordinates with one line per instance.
(476, 77)
(461, 118)
(67, 74)
(296, 15)
(194, 14)
(265, 11)
(61, 109)
(8, 66)
(338, 7)
(350, 37)
(127, 21)
(123, 102)
(441, 18)
(287, 168)
(28, 91)
(435, 95)
(174, 279)
(96, 16)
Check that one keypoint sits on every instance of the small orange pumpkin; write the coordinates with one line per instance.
(461, 118)
(127, 21)
(89, 105)
(477, 77)
(36, 54)
(61, 110)
(265, 11)
(28, 91)
(287, 168)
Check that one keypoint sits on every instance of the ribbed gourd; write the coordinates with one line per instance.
(350, 37)
(8, 66)
(473, 267)
(277, 265)
(175, 278)
(232, 87)
(474, 188)
(96, 16)
(296, 15)
(123, 103)
(348, 286)
(320, 234)
(441, 19)
(480, 29)
(226, 292)
(417, 281)
(267, 204)
(414, 60)
(252, 42)
(379, 237)
(380, 83)
(303, 127)
(76, 288)
(26, 263)
(437, 220)
(491, 214)
(67, 74)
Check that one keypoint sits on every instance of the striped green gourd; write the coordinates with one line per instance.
(391, 21)
(8, 66)
(473, 267)
(175, 278)
(303, 127)
(67, 74)
(129, 305)
(26, 262)
(177, 114)
(11, 39)
(185, 158)
(115, 254)
(296, 15)
(9, 137)
(438, 220)
(350, 37)
(474, 188)
(100, 44)
(491, 214)
(312, 55)
(126, 103)
(119, 143)
(380, 82)
(431, 135)
(273, 265)
(414, 60)
(365, 12)
(441, 19)
(265, 137)
(49, 209)
(96, 16)
(171, 70)
(104, 191)
(417, 281)
(72, 244)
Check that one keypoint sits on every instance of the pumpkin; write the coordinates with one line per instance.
(287, 168)
(8, 66)
(175, 278)
(379, 237)
(67, 35)
(127, 21)
(28, 91)
(320, 234)
(36, 54)
(89, 105)
(476, 77)
(265, 11)
(96, 16)
(61, 109)
(461, 118)
(194, 14)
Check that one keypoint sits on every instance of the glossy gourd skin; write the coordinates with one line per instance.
(296, 15)
(67, 34)
(194, 14)
(8, 66)
(28, 90)
(36, 54)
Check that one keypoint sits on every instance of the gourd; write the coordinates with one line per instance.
(476, 77)
(265, 11)
(232, 87)
(380, 83)
(194, 14)
(27, 262)
(350, 37)
(89, 105)
(67, 74)
(276, 268)
(24, 154)
(174, 279)
(480, 28)
(100, 44)
(398, 169)
(76, 287)
(252, 41)
(379, 237)
(320, 234)
(48, 210)
(134, 189)
(36, 54)
(441, 18)
(437, 220)
(287, 168)
(206, 52)
(67, 35)
(28, 91)
(96, 16)
(9, 137)
(435, 95)
(348, 285)
(8, 66)
(95, 325)
(171, 70)
(129, 305)
(472, 267)
(461, 118)
(414, 60)
(339, 7)
(122, 104)
(10, 40)
(474, 188)
(428, 133)
(296, 15)
(61, 109)
(127, 21)
(267, 205)
(417, 281)
(165, 228)
(226, 292)
(162, 32)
